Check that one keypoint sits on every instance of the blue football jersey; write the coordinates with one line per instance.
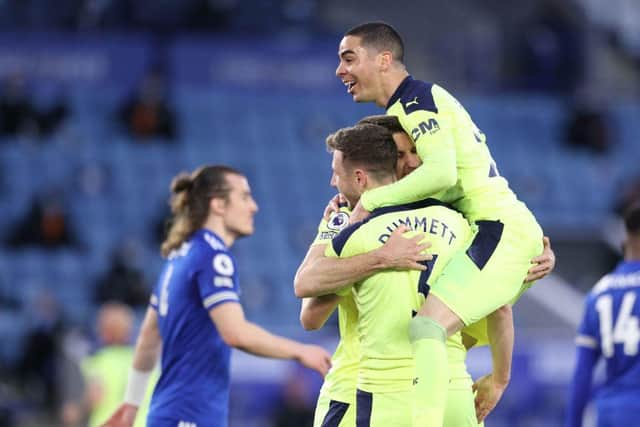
(610, 327)
(193, 388)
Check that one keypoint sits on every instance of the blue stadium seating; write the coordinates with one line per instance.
(278, 141)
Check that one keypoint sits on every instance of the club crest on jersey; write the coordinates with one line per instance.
(338, 221)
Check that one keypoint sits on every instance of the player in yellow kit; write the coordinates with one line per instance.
(460, 410)
(398, 357)
(318, 275)
(387, 300)
(457, 169)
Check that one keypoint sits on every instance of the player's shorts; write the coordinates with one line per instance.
(460, 410)
(333, 413)
(384, 409)
(491, 271)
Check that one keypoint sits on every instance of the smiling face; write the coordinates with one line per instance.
(408, 159)
(359, 69)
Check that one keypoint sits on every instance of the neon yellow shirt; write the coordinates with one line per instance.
(387, 300)
(457, 166)
(340, 382)
(110, 367)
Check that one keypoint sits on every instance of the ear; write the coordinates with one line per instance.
(217, 205)
(385, 60)
(361, 178)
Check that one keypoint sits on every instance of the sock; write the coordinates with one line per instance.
(432, 369)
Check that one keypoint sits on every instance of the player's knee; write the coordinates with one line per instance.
(426, 328)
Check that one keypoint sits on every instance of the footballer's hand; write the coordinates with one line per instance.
(359, 213)
(544, 263)
(316, 358)
(403, 253)
(123, 417)
(334, 205)
(488, 394)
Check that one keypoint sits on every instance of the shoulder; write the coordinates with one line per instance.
(606, 283)
(415, 95)
(345, 236)
(205, 256)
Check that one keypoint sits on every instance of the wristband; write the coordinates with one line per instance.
(136, 386)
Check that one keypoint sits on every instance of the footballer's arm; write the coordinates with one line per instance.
(316, 310)
(489, 389)
(236, 331)
(144, 360)
(321, 275)
(437, 172)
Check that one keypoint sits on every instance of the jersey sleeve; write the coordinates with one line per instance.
(154, 299)
(580, 388)
(588, 335)
(217, 280)
(330, 252)
(433, 135)
(327, 230)
(587, 354)
(349, 248)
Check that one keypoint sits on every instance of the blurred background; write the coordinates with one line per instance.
(102, 102)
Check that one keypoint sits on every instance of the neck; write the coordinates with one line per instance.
(375, 183)
(389, 86)
(632, 252)
(216, 225)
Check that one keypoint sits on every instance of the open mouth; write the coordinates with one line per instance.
(350, 85)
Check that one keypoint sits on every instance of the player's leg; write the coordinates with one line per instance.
(333, 413)
(475, 282)
(489, 274)
(460, 410)
(384, 409)
(428, 333)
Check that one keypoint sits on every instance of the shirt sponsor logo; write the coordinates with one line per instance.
(429, 127)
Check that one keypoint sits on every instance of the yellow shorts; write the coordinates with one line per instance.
(396, 408)
(333, 413)
(384, 409)
(491, 271)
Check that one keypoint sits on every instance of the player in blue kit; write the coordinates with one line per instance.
(610, 330)
(195, 315)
